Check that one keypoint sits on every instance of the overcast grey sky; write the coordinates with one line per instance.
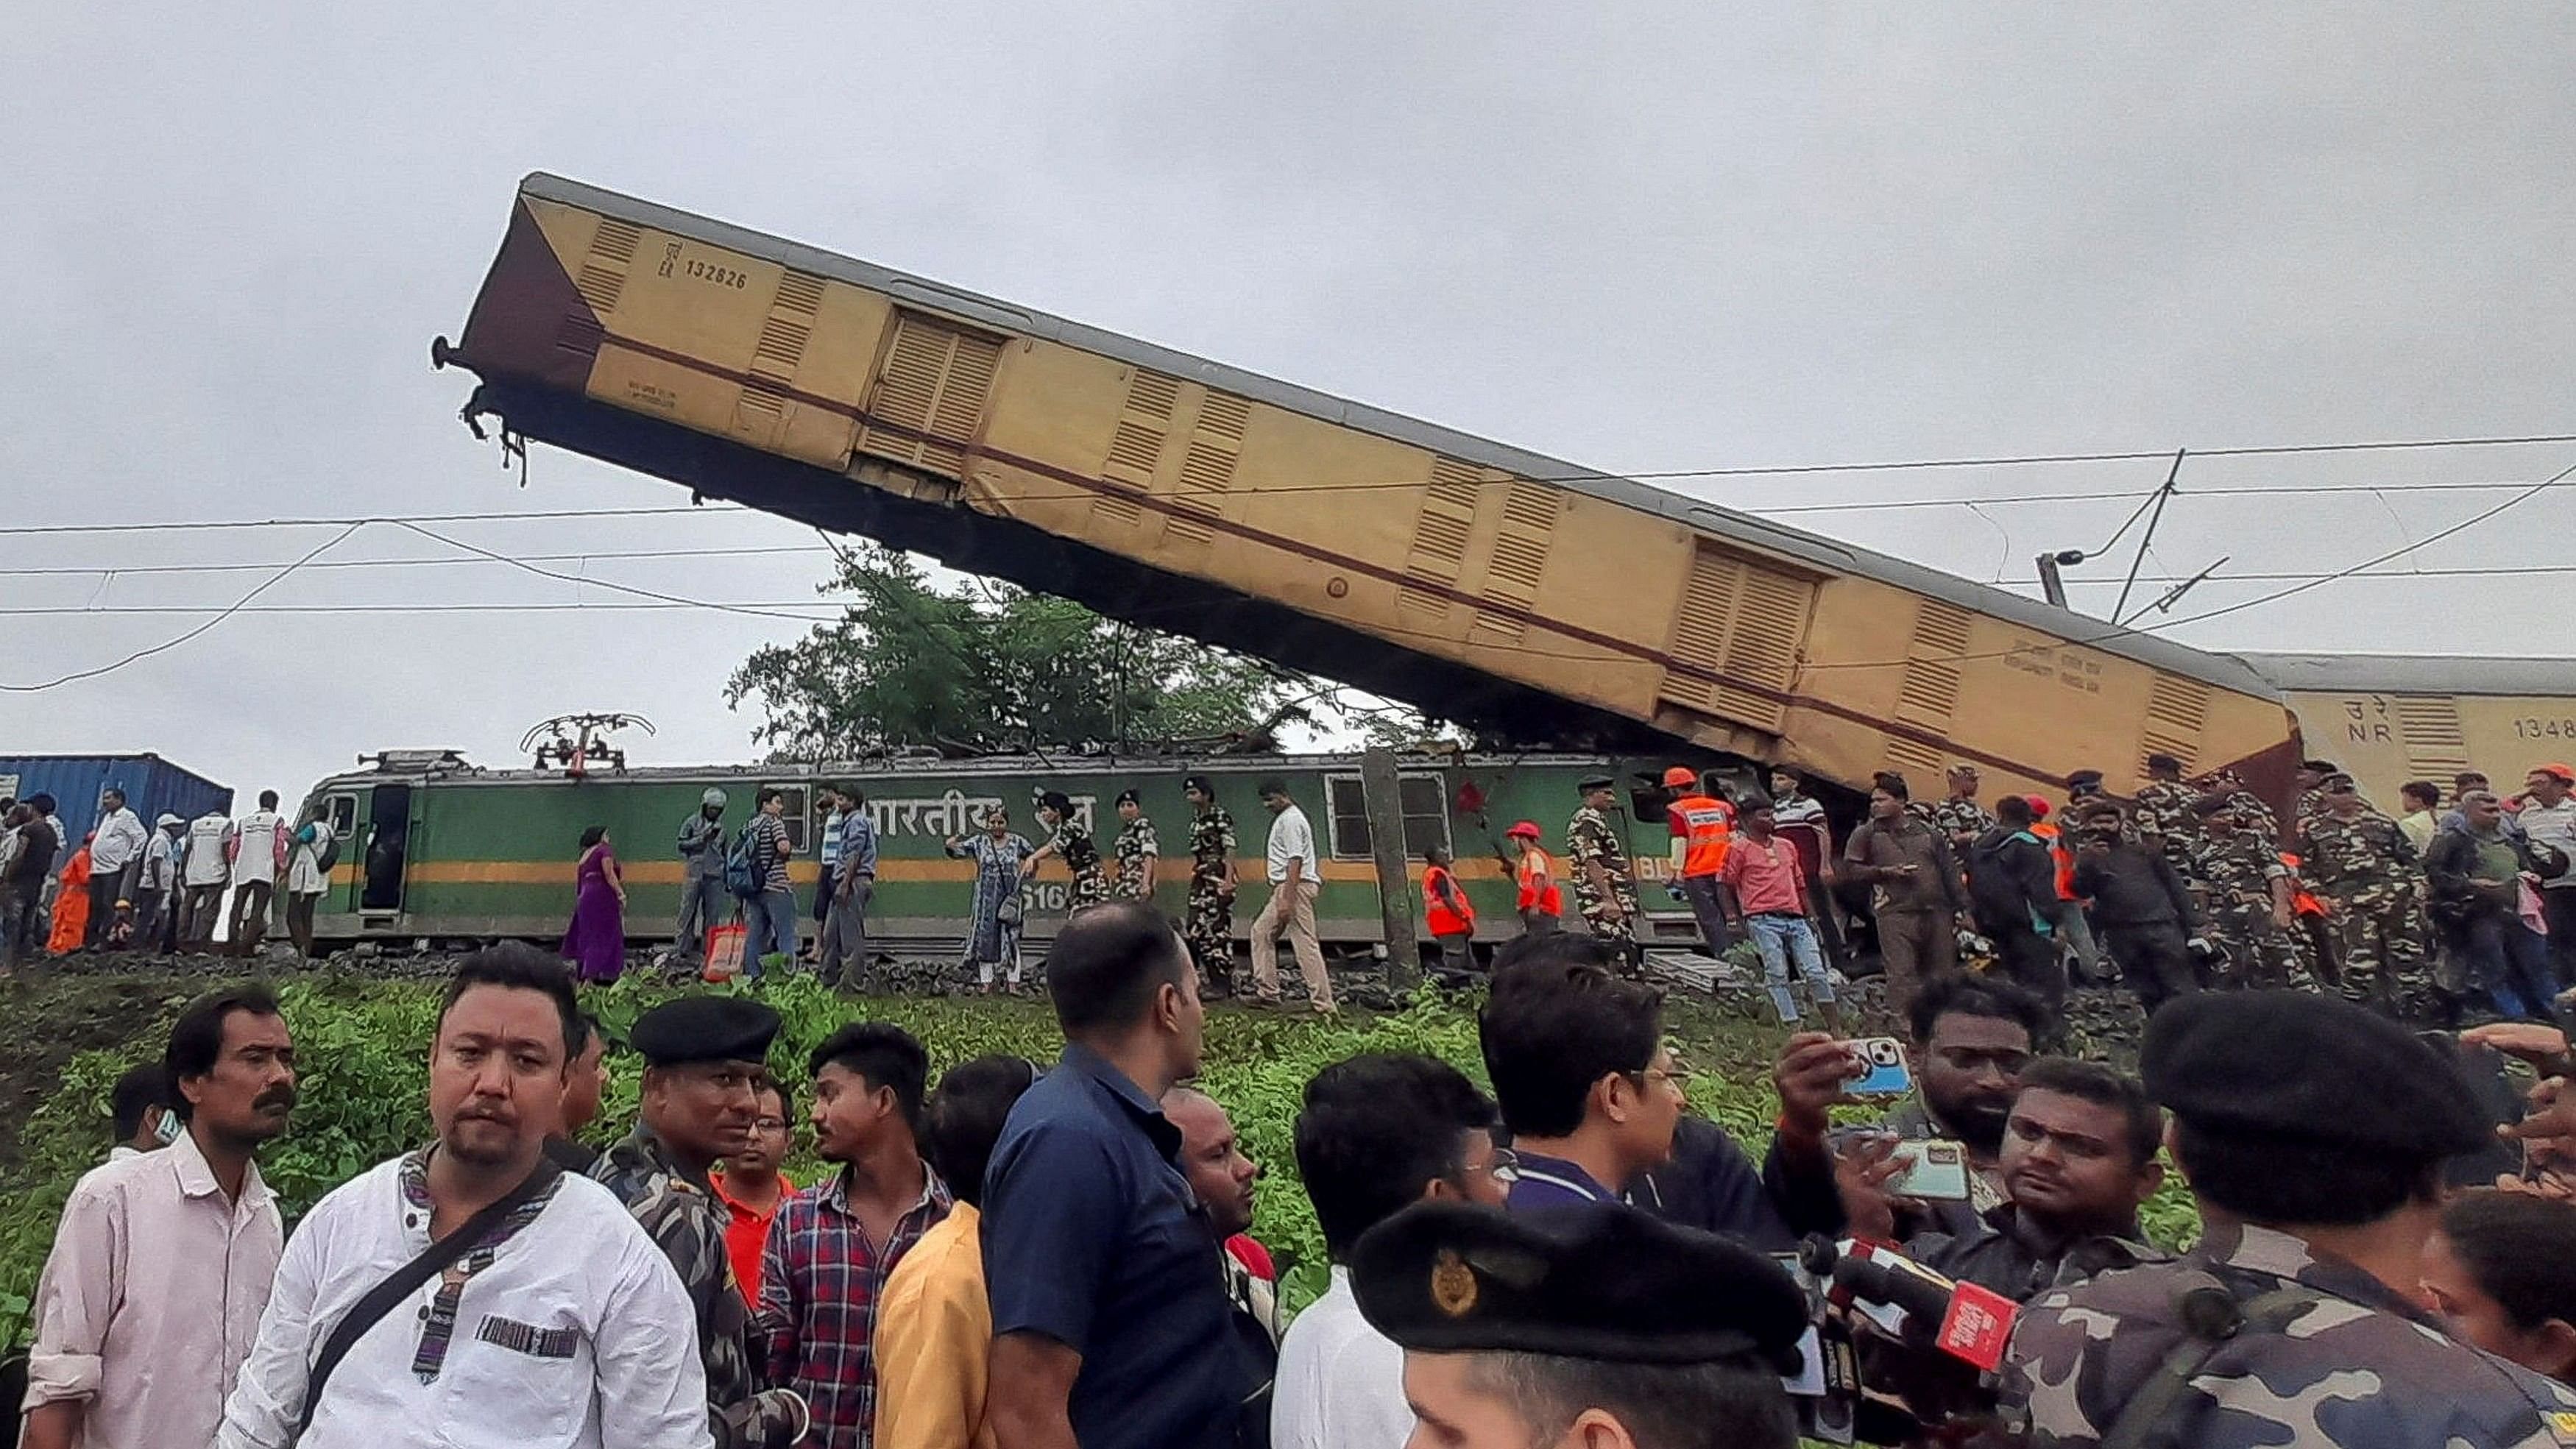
(1641, 237)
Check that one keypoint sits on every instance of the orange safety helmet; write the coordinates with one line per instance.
(1681, 777)
(1525, 831)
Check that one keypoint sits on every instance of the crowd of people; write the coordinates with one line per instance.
(1032, 1256)
(122, 886)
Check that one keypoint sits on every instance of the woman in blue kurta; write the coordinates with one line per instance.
(993, 934)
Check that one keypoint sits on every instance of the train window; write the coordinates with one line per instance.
(1425, 801)
(796, 807)
(340, 812)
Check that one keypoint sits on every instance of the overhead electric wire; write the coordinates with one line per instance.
(618, 588)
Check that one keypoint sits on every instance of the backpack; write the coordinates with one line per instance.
(740, 876)
(329, 855)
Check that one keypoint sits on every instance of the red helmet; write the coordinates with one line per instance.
(2038, 807)
(1681, 777)
(1523, 831)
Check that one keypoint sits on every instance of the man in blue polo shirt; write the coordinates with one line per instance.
(1111, 1324)
(1585, 1083)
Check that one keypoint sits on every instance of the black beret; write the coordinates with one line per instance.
(704, 1029)
(2212, 803)
(2316, 1069)
(1607, 1283)
(1126, 797)
(2164, 762)
(1056, 801)
(1590, 783)
(2321, 767)
(2082, 778)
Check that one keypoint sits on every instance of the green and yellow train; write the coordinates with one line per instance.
(436, 848)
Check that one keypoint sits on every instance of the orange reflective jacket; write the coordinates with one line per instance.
(1704, 825)
(1539, 890)
(1445, 919)
(2302, 900)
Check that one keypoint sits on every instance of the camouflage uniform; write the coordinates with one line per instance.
(1073, 845)
(2247, 806)
(2236, 872)
(2163, 814)
(1591, 840)
(1209, 928)
(1955, 818)
(1136, 850)
(2327, 1356)
(687, 1221)
(2368, 868)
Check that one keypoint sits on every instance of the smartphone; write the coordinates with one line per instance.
(1934, 1171)
(1878, 1068)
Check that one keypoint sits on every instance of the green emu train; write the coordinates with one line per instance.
(440, 849)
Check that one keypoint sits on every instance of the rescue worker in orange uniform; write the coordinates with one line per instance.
(1702, 826)
(2074, 933)
(1541, 900)
(1446, 909)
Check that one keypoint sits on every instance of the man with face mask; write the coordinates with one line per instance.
(151, 1297)
(704, 1058)
(550, 1326)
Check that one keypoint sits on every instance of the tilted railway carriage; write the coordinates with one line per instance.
(2391, 718)
(442, 849)
(1538, 601)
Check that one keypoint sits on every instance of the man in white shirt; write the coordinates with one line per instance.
(562, 1328)
(257, 849)
(151, 1297)
(1378, 1133)
(204, 871)
(115, 858)
(306, 880)
(2548, 815)
(156, 888)
(1293, 886)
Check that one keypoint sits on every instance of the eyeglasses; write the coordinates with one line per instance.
(769, 1124)
(1505, 1168)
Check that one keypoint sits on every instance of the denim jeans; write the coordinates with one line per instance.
(1779, 938)
(2512, 964)
(771, 915)
(704, 903)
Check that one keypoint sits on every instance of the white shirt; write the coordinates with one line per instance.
(257, 839)
(151, 1298)
(628, 1375)
(205, 851)
(304, 873)
(1341, 1382)
(1291, 838)
(2552, 825)
(118, 843)
(160, 860)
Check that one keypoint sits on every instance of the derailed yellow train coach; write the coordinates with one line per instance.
(2391, 718)
(1533, 599)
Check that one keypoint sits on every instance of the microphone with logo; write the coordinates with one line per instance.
(1906, 1351)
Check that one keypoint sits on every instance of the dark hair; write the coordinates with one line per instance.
(1274, 787)
(786, 1097)
(43, 802)
(593, 836)
(767, 794)
(2521, 1249)
(1736, 1402)
(2424, 790)
(1106, 964)
(1550, 1034)
(2465, 776)
(1375, 1129)
(883, 1055)
(2103, 1087)
(1965, 995)
(965, 1116)
(518, 966)
(268, 799)
(1891, 782)
(2167, 763)
(853, 794)
(197, 1037)
(2012, 810)
(144, 1086)
(116, 790)
(586, 1030)
(2270, 1180)
(1551, 949)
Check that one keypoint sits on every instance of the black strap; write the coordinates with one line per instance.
(407, 1279)
(2269, 1313)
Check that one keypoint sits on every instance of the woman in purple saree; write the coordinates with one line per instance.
(596, 942)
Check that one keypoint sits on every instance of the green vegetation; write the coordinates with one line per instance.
(362, 1044)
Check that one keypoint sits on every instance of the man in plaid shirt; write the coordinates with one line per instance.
(833, 1246)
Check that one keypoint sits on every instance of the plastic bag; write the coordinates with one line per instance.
(724, 952)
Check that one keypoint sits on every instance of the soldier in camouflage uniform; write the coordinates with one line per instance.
(1605, 889)
(660, 1173)
(2311, 805)
(1071, 844)
(1136, 850)
(2260, 1335)
(1960, 818)
(2365, 864)
(2249, 808)
(2247, 891)
(1209, 927)
(2162, 811)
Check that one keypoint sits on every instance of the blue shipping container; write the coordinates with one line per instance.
(153, 787)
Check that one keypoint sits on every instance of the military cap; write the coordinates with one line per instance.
(2337, 783)
(2290, 1064)
(1126, 797)
(1055, 800)
(704, 1029)
(1590, 783)
(2319, 767)
(2162, 761)
(2211, 804)
(2084, 780)
(1612, 1284)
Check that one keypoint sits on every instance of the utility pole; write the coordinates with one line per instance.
(2163, 496)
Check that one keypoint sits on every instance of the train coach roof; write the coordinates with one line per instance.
(2416, 674)
(1019, 765)
(1815, 550)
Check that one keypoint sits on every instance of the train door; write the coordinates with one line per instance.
(340, 813)
(388, 849)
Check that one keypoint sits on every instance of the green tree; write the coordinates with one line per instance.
(991, 666)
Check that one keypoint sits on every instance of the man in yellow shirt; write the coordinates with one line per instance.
(934, 1330)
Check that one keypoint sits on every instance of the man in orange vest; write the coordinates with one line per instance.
(1541, 902)
(1445, 907)
(1702, 826)
(2074, 935)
